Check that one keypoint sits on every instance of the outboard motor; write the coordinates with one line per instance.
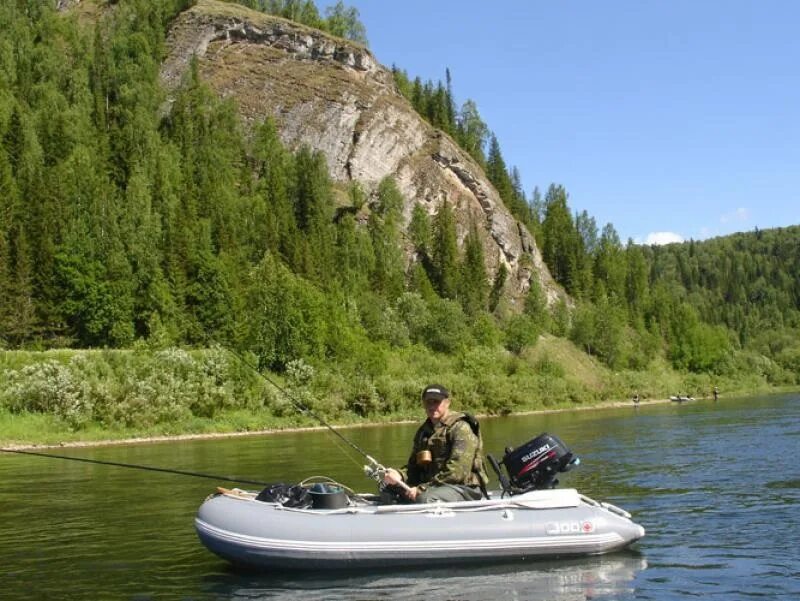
(534, 465)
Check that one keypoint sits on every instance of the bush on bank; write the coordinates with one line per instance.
(114, 393)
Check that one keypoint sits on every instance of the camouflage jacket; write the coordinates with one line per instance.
(456, 451)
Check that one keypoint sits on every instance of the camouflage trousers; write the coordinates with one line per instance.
(448, 493)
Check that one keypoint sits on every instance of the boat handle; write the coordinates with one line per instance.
(615, 509)
(610, 507)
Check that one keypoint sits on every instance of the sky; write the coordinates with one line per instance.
(671, 120)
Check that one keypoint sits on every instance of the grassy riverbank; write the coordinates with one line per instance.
(69, 396)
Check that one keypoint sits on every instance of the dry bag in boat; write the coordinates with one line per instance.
(288, 495)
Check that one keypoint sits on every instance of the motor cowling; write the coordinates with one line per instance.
(536, 464)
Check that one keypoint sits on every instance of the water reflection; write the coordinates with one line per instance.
(608, 577)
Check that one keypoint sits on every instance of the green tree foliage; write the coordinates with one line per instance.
(536, 305)
(609, 266)
(344, 22)
(433, 101)
(562, 245)
(388, 272)
(274, 225)
(120, 221)
(444, 253)
(471, 131)
(520, 332)
(287, 317)
(313, 209)
(694, 345)
(498, 285)
(447, 330)
(419, 230)
(340, 20)
(473, 281)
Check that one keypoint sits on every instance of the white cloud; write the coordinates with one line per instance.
(740, 215)
(659, 238)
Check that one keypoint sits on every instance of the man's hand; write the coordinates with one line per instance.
(392, 477)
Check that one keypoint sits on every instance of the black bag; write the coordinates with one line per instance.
(288, 495)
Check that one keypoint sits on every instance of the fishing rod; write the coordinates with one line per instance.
(138, 467)
(374, 470)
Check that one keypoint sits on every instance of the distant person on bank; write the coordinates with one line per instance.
(446, 462)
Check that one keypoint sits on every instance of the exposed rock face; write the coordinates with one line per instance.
(63, 5)
(333, 96)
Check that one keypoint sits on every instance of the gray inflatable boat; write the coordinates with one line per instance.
(540, 523)
(528, 518)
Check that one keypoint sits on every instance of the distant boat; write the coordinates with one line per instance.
(681, 399)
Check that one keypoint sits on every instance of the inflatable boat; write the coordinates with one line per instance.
(337, 528)
(545, 523)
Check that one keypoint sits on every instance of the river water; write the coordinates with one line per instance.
(715, 484)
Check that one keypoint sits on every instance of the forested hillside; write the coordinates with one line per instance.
(127, 221)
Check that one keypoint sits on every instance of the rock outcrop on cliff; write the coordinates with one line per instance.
(333, 96)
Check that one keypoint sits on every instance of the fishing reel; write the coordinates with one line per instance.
(389, 493)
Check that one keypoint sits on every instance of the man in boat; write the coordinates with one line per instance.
(446, 463)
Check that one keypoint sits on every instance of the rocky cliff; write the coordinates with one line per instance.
(333, 96)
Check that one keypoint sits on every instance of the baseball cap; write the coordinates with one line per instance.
(436, 392)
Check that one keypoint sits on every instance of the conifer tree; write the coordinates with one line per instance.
(609, 265)
(636, 281)
(560, 249)
(7, 208)
(473, 283)
(450, 102)
(498, 285)
(355, 256)
(388, 274)
(142, 235)
(275, 172)
(313, 208)
(444, 252)
(497, 172)
(419, 230)
(536, 304)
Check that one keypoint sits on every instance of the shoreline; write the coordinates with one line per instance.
(265, 432)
